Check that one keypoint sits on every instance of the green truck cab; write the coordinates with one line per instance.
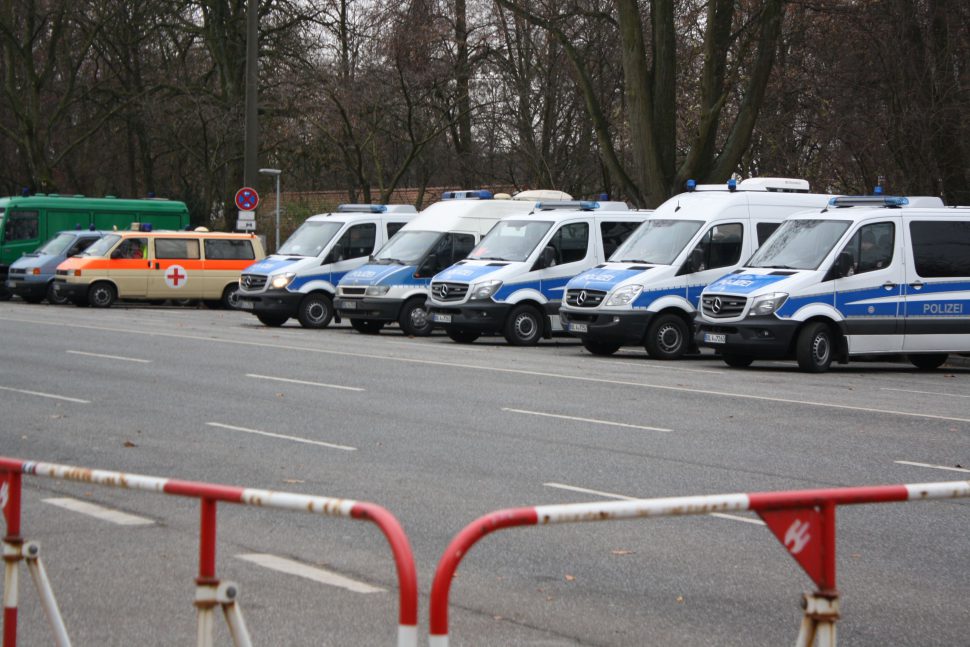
(26, 222)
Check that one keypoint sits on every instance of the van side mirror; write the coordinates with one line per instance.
(336, 254)
(844, 264)
(427, 267)
(695, 261)
(547, 258)
(116, 254)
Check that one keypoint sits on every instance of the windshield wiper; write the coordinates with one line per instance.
(390, 261)
(633, 260)
(490, 258)
(777, 267)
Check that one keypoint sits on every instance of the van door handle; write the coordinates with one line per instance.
(156, 264)
(889, 285)
(916, 286)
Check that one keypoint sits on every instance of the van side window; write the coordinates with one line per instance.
(358, 241)
(941, 248)
(80, 245)
(187, 248)
(766, 229)
(21, 225)
(450, 249)
(392, 228)
(614, 233)
(131, 248)
(224, 249)
(570, 242)
(721, 246)
(872, 247)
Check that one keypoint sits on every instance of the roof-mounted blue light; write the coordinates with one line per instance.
(477, 194)
(877, 190)
(584, 205)
(732, 184)
(868, 201)
(691, 185)
(361, 208)
(145, 226)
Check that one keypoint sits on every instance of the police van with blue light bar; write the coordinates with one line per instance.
(393, 286)
(866, 276)
(512, 282)
(648, 292)
(300, 279)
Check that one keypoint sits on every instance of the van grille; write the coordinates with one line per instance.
(717, 306)
(443, 291)
(353, 291)
(585, 298)
(252, 281)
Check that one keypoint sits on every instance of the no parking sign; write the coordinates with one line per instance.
(247, 199)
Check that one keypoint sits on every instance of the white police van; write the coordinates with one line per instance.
(513, 281)
(300, 279)
(648, 292)
(869, 275)
(393, 287)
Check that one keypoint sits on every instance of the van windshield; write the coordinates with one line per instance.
(799, 244)
(56, 245)
(657, 242)
(407, 247)
(310, 239)
(102, 247)
(511, 240)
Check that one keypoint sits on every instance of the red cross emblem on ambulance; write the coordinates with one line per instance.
(175, 276)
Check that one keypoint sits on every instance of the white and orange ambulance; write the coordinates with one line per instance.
(158, 265)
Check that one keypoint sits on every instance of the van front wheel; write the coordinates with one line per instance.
(814, 347)
(524, 326)
(230, 297)
(414, 319)
(102, 295)
(316, 311)
(667, 337)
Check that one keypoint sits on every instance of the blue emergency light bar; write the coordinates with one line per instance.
(868, 201)
(691, 185)
(477, 194)
(584, 205)
(732, 184)
(361, 208)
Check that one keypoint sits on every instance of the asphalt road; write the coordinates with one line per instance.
(440, 434)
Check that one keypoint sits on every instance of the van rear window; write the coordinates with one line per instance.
(224, 249)
(941, 248)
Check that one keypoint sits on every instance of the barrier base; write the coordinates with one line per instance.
(818, 623)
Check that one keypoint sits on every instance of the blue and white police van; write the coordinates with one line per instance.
(300, 279)
(512, 282)
(648, 292)
(31, 277)
(393, 286)
(869, 275)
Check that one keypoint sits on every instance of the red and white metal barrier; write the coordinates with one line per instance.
(803, 520)
(209, 591)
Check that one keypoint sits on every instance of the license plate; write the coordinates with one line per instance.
(441, 318)
(246, 305)
(575, 327)
(347, 305)
(712, 338)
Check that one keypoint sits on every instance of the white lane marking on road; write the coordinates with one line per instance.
(429, 362)
(623, 497)
(292, 381)
(654, 366)
(270, 434)
(45, 395)
(118, 357)
(591, 420)
(949, 395)
(934, 467)
(292, 567)
(100, 512)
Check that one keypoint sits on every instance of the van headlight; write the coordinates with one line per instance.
(625, 295)
(766, 304)
(376, 290)
(483, 290)
(280, 281)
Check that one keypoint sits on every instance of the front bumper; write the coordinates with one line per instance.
(71, 291)
(368, 308)
(27, 289)
(626, 328)
(483, 316)
(758, 337)
(270, 302)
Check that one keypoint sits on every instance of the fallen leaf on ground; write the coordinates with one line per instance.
(620, 551)
(570, 578)
(128, 443)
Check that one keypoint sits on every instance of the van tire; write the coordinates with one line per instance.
(366, 326)
(52, 297)
(737, 361)
(414, 319)
(667, 337)
(230, 297)
(815, 347)
(524, 326)
(928, 362)
(315, 311)
(102, 295)
(462, 335)
(601, 348)
(272, 320)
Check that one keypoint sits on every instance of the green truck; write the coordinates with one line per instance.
(26, 222)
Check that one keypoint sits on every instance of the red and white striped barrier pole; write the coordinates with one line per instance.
(803, 520)
(208, 592)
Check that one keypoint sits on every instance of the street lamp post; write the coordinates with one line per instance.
(276, 172)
